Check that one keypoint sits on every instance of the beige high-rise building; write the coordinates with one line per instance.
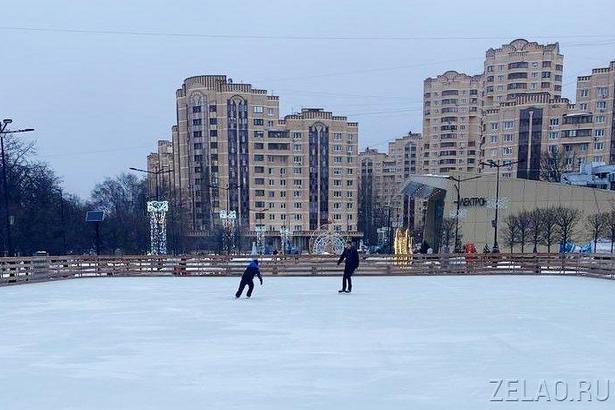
(451, 123)
(596, 95)
(160, 167)
(532, 125)
(576, 134)
(517, 113)
(232, 152)
(521, 67)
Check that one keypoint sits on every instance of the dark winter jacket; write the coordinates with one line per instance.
(251, 271)
(351, 256)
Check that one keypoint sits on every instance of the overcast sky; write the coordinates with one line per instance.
(100, 101)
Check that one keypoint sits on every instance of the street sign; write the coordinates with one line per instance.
(94, 216)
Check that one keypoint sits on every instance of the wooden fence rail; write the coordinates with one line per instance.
(33, 269)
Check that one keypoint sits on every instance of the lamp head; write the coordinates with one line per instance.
(7, 121)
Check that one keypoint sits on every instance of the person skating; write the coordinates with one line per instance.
(351, 258)
(247, 279)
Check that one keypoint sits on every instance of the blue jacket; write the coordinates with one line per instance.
(251, 271)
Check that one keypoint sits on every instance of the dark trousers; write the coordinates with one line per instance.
(242, 285)
(347, 279)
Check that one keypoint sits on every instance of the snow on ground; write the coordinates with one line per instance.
(396, 343)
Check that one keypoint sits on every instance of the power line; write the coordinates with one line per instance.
(282, 37)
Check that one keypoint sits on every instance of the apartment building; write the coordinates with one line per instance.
(451, 123)
(574, 134)
(382, 175)
(521, 67)
(377, 181)
(596, 95)
(516, 113)
(160, 171)
(232, 152)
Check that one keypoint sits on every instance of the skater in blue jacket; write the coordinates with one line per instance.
(248, 278)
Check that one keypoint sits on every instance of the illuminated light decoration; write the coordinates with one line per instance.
(327, 241)
(285, 239)
(158, 226)
(462, 213)
(228, 222)
(502, 204)
(402, 245)
(260, 240)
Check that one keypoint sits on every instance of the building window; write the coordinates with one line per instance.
(507, 151)
(508, 137)
(494, 125)
(258, 109)
(196, 121)
(196, 108)
(553, 135)
(213, 121)
(600, 119)
(494, 139)
(601, 105)
(197, 134)
(599, 132)
(259, 121)
(598, 146)
(509, 125)
(554, 121)
(602, 92)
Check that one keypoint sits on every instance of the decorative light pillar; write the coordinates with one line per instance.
(158, 226)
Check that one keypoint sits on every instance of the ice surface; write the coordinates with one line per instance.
(395, 343)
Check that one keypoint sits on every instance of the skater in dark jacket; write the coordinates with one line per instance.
(351, 256)
(248, 278)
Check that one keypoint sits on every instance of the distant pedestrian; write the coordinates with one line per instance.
(247, 279)
(351, 258)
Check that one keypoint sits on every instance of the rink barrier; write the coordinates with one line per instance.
(43, 268)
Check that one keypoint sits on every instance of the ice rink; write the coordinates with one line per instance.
(395, 343)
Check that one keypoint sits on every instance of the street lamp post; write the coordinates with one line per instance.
(157, 211)
(156, 173)
(458, 188)
(7, 220)
(497, 164)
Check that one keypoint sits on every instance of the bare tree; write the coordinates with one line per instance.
(511, 234)
(549, 215)
(596, 224)
(566, 220)
(536, 227)
(610, 226)
(523, 221)
(553, 163)
(447, 232)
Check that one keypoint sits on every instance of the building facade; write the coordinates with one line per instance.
(451, 123)
(382, 206)
(521, 67)
(516, 113)
(233, 154)
(596, 95)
